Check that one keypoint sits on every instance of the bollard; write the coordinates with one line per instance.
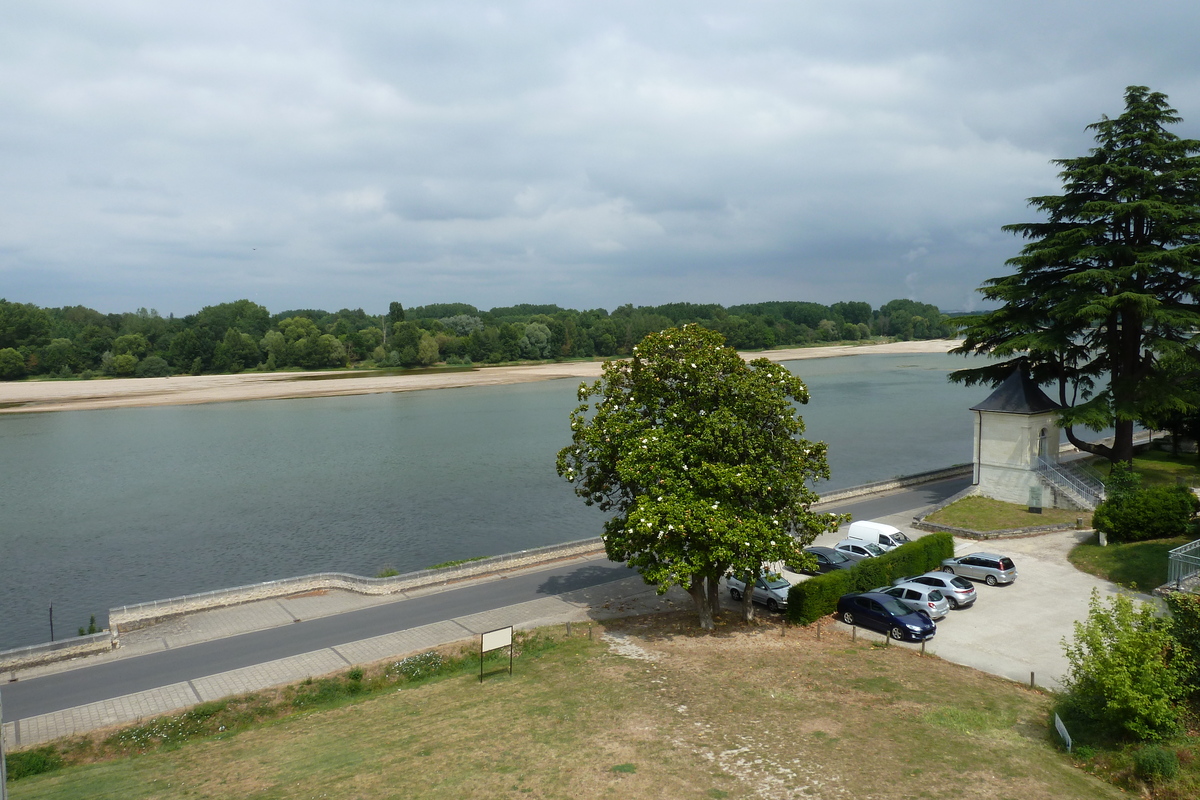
(854, 633)
(1031, 680)
(818, 630)
(590, 637)
(922, 648)
(783, 629)
(568, 629)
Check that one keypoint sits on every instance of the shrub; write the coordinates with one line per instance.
(1121, 673)
(1155, 762)
(1140, 514)
(1185, 627)
(152, 367)
(32, 762)
(817, 597)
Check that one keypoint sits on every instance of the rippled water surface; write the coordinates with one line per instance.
(104, 508)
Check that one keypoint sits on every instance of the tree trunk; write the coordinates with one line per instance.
(699, 592)
(748, 600)
(714, 592)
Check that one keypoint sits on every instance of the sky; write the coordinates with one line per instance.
(346, 155)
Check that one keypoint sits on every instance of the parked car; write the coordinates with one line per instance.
(886, 614)
(886, 536)
(857, 550)
(827, 560)
(959, 592)
(987, 567)
(919, 597)
(771, 591)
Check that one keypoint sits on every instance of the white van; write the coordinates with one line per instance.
(886, 536)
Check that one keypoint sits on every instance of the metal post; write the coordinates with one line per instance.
(1031, 679)
(818, 630)
(922, 647)
(52, 622)
(3, 768)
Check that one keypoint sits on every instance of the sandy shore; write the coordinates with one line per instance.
(34, 396)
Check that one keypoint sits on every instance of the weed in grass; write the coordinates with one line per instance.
(625, 768)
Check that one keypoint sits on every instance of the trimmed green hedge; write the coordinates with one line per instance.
(817, 597)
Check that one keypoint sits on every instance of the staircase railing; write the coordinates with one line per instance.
(1087, 492)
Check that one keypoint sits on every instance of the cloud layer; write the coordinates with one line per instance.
(325, 155)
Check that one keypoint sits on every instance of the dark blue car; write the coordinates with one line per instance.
(885, 614)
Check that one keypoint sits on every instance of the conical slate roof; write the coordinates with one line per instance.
(1018, 395)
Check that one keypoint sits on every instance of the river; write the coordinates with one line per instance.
(104, 508)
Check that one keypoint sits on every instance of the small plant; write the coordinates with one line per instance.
(90, 629)
(416, 667)
(32, 762)
(387, 572)
(1156, 763)
(628, 769)
(355, 675)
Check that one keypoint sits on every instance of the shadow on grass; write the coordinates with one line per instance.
(1134, 565)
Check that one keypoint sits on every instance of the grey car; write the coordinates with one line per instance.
(919, 597)
(771, 591)
(990, 568)
(959, 592)
(857, 549)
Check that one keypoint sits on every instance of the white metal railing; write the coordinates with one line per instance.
(1182, 563)
(1087, 491)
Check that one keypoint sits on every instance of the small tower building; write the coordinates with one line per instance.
(1015, 427)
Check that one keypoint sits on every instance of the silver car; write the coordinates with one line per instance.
(771, 591)
(987, 567)
(959, 592)
(857, 549)
(919, 597)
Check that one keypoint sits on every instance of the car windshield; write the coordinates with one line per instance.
(901, 538)
(778, 584)
(873, 548)
(836, 557)
(894, 606)
(961, 583)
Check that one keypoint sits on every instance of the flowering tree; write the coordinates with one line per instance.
(700, 457)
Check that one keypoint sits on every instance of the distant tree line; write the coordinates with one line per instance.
(76, 341)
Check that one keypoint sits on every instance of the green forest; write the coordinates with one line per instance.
(78, 342)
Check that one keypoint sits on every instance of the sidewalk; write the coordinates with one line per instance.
(625, 597)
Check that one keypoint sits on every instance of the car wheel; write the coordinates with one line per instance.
(948, 569)
(772, 606)
(897, 634)
(847, 618)
(735, 594)
(953, 603)
(990, 580)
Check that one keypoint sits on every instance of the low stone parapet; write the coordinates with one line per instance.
(38, 654)
(132, 617)
(899, 482)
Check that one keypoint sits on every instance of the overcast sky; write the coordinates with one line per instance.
(331, 155)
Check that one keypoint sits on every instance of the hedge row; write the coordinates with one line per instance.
(816, 597)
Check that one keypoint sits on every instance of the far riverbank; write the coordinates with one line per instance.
(41, 396)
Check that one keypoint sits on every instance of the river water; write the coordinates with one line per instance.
(105, 508)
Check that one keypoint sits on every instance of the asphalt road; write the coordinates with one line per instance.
(89, 684)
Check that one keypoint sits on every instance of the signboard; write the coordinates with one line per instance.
(494, 640)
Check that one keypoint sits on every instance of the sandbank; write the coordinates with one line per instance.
(45, 395)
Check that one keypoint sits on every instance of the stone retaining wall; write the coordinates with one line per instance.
(38, 654)
(899, 482)
(130, 618)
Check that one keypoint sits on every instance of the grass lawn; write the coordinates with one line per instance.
(1135, 565)
(985, 514)
(1159, 468)
(661, 712)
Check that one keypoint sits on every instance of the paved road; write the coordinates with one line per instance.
(131, 674)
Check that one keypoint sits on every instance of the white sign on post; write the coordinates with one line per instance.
(494, 640)
(1062, 731)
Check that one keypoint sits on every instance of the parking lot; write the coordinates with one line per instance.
(1013, 630)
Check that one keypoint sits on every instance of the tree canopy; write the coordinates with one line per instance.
(699, 455)
(1106, 287)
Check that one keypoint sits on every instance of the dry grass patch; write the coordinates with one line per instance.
(653, 710)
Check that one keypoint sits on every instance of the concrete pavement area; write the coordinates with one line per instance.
(1010, 631)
